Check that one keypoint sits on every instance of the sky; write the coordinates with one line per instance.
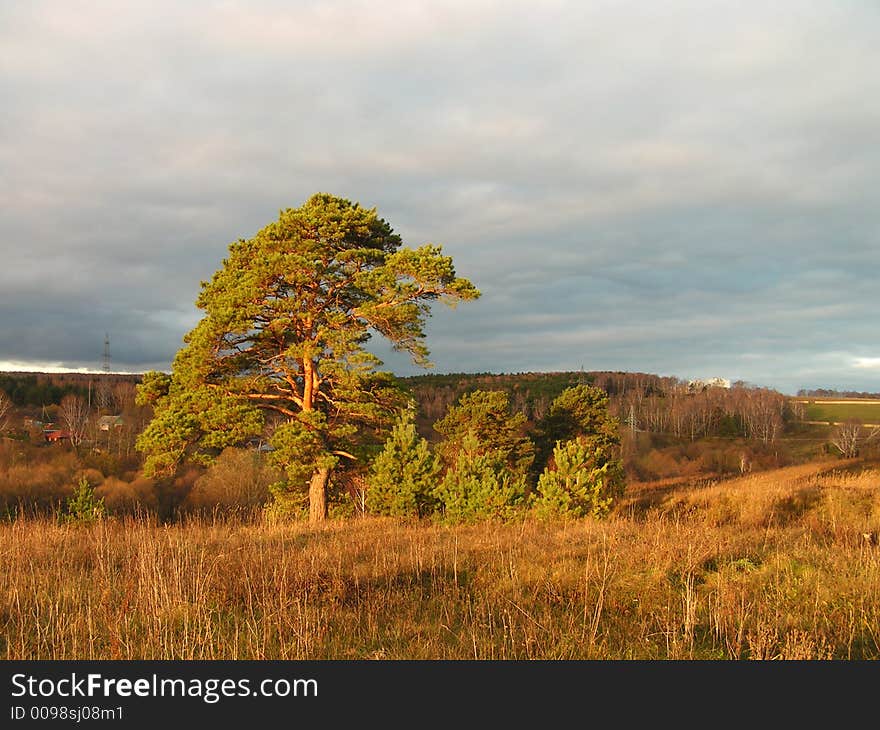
(690, 189)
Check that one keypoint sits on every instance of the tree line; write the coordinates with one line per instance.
(827, 393)
(641, 401)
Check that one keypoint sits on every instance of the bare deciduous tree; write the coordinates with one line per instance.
(847, 437)
(73, 413)
(123, 396)
(104, 394)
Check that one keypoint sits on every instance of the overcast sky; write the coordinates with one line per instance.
(680, 188)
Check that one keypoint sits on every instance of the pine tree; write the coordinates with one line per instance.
(580, 411)
(479, 485)
(485, 415)
(287, 318)
(83, 507)
(581, 481)
(403, 477)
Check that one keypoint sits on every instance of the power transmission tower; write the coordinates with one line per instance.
(106, 352)
(102, 394)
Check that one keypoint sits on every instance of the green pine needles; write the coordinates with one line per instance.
(479, 486)
(482, 466)
(582, 482)
(404, 475)
(83, 507)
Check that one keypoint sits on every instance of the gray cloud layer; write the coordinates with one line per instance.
(686, 188)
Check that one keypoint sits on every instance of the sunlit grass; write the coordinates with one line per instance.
(782, 564)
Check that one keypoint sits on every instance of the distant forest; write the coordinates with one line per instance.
(825, 393)
(642, 401)
(36, 390)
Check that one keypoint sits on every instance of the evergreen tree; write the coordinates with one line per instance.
(403, 477)
(496, 432)
(83, 507)
(286, 321)
(580, 411)
(479, 485)
(580, 482)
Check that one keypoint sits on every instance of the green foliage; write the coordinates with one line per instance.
(83, 507)
(483, 420)
(533, 390)
(479, 486)
(582, 481)
(579, 453)
(286, 320)
(38, 389)
(299, 444)
(286, 503)
(580, 411)
(194, 422)
(404, 476)
(154, 386)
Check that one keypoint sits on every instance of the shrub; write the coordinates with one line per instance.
(124, 497)
(83, 507)
(238, 478)
(581, 481)
(39, 479)
(403, 477)
(479, 487)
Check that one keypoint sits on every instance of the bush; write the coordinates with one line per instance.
(403, 477)
(124, 497)
(581, 482)
(37, 479)
(238, 479)
(83, 507)
(479, 487)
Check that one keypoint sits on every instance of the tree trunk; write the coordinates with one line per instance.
(318, 496)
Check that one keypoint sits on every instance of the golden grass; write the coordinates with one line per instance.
(775, 565)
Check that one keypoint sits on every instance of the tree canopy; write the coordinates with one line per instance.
(579, 451)
(580, 411)
(281, 348)
(486, 415)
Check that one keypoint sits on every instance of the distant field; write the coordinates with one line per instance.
(867, 411)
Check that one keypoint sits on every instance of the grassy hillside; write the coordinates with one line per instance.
(782, 564)
(838, 410)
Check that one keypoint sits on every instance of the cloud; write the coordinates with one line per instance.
(672, 187)
(868, 363)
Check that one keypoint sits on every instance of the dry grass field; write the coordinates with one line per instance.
(778, 565)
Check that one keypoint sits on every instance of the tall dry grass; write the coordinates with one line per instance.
(781, 565)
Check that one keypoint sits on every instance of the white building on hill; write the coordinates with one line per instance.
(702, 384)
